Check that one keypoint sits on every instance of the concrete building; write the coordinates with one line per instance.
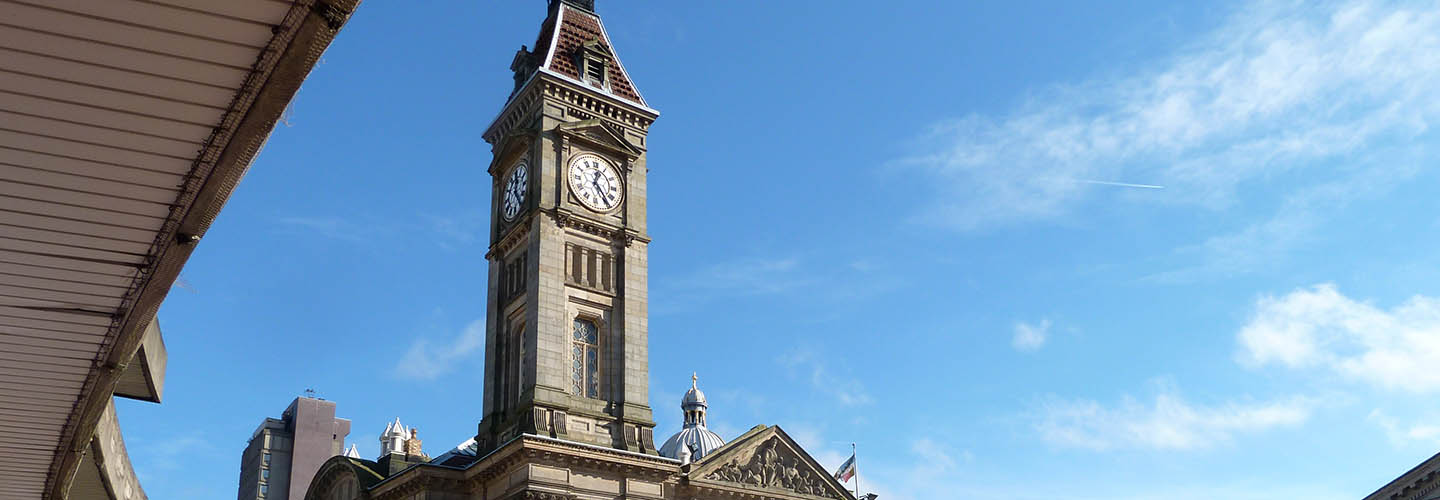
(566, 393)
(284, 453)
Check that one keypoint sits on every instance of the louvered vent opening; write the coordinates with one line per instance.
(595, 71)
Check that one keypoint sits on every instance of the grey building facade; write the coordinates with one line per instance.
(284, 454)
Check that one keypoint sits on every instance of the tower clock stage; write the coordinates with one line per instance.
(566, 393)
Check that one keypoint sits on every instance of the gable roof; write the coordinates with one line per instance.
(1414, 483)
(565, 32)
(765, 459)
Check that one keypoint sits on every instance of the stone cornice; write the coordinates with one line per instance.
(525, 104)
(510, 240)
(583, 103)
(630, 463)
(615, 110)
(529, 448)
(567, 219)
(422, 477)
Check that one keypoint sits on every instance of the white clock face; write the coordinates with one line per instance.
(512, 196)
(595, 182)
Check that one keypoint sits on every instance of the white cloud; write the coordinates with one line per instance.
(1264, 243)
(1319, 328)
(1030, 337)
(1277, 87)
(1402, 435)
(427, 361)
(846, 390)
(934, 457)
(1169, 422)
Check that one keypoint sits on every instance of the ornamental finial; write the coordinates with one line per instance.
(582, 4)
(694, 379)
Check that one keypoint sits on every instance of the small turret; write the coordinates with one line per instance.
(393, 439)
(694, 441)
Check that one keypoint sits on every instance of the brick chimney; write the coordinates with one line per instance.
(412, 445)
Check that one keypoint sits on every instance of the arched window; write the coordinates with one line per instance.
(585, 359)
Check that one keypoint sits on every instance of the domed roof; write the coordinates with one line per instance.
(698, 439)
(693, 396)
(694, 436)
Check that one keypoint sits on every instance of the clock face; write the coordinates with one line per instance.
(512, 196)
(595, 182)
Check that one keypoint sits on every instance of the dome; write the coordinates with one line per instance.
(694, 436)
(698, 439)
(693, 397)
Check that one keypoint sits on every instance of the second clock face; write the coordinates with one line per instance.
(513, 194)
(595, 182)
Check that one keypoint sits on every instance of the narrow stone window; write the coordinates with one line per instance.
(577, 266)
(510, 353)
(585, 359)
(519, 362)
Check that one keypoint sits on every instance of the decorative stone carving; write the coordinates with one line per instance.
(647, 438)
(520, 109)
(541, 495)
(581, 101)
(561, 422)
(510, 241)
(541, 420)
(774, 466)
(563, 220)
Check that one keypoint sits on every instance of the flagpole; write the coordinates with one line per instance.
(857, 469)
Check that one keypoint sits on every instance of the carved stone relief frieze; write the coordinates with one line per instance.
(773, 466)
(541, 495)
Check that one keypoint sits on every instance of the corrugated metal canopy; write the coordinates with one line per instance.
(124, 124)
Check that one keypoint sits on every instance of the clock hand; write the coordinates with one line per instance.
(595, 182)
(599, 193)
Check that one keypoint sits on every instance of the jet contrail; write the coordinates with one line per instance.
(1121, 184)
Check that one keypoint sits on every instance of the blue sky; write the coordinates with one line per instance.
(898, 224)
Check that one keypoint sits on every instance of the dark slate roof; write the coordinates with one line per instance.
(562, 34)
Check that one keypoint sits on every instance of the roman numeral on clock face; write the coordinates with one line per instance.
(594, 182)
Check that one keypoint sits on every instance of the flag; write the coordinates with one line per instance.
(847, 470)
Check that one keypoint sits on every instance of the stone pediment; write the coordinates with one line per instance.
(595, 132)
(766, 462)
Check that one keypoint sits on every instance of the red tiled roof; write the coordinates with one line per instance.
(576, 28)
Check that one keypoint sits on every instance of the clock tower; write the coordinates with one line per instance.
(566, 410)
(566, 343)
